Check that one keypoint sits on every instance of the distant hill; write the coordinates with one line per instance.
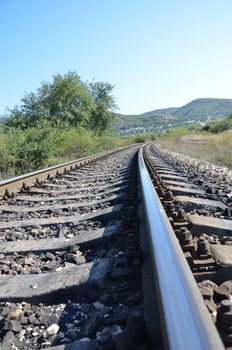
(201, 109)
(206, 107)
(163, 111)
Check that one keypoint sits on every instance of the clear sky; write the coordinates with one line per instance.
(157, 53)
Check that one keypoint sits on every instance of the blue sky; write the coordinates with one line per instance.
(156, 53)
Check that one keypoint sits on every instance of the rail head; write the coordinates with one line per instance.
(187, 322)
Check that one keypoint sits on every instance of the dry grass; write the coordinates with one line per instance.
(220, 149)
(216, 149)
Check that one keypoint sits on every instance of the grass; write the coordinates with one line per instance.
(37, 148)
(218, 126)
(214, 148)
(219, 150)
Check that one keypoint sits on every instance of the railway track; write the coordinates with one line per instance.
(90, 260)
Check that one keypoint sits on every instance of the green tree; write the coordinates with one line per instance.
(66, 101)
(102, 114)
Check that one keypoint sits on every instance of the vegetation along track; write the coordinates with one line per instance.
(89, 259)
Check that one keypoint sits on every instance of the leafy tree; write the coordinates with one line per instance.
(17, 119)
(66, 101)
(104, 104)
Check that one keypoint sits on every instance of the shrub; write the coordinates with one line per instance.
(218, 126)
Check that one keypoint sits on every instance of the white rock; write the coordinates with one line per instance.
(22, 332)
(29, 329)
(69, 235)
(46, 343)
(35, 334)
(53, 329)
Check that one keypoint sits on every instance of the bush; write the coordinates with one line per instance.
(6, 157)
(218, 126)
(139, 139)
(36, 148)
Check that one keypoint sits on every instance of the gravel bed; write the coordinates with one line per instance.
(7, 217)
(214, 180)
(74, 189)
(25, 326)
(32, 263)
(54, 231)
(213, 212)
(215, 296)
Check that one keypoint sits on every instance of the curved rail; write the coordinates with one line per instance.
(186, 321)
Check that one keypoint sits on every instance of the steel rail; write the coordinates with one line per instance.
(14, 184)
(186, 322)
